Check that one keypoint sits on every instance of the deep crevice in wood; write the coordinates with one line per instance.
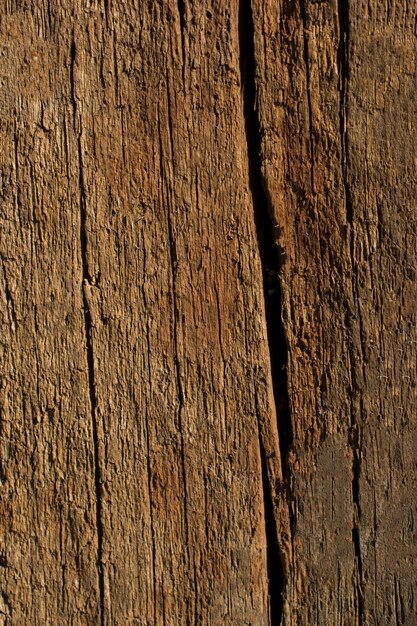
(343, 61)
(93, 399)
(106, 12)
(355, 447)
(271, 255)
(181, 12)
(274, 564)
(270, 252)
(89, 347)
(307, 68)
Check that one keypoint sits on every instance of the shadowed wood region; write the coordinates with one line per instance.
(208, 313)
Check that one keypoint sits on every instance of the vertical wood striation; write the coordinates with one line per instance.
(208, 279)
(85, 285)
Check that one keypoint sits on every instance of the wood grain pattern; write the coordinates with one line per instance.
(335, 87)
(207, 312)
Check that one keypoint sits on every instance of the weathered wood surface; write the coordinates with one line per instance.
(208, 312)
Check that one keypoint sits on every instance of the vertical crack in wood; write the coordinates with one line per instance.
(86, 281)
(343, 62)
(310, 113)
(106, 12)
(172, 253)
(181, 12)
(355, 446)
(173, 265)
(303, 14)
(149, 481)
(271, 255)
(273, 560)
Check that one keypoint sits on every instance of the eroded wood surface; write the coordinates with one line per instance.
(208, 247)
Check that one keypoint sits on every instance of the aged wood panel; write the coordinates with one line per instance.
(336, 111)
(177, 322)
(48, 520)
(208, 287)
(147, 272)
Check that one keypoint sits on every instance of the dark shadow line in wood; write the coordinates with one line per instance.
(270, 252)
(343, 64)
(271, 255)
(354, 437)
(274, 563)
(88, 340)
(308, 89)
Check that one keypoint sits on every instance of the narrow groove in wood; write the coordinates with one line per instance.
(308, 84)
(173, 263)
(356, 468)
(149, 478)
(274, 563)
(271, 256)
(89, 348)
(177, 359)
(9, 299)
(343, 61)
(181, 12)
(106, 12)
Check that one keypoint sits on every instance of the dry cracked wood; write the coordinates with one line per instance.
(208, 320)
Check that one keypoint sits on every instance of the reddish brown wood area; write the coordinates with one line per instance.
(208, 312)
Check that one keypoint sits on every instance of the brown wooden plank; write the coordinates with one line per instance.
(336, 110)
(208, 287)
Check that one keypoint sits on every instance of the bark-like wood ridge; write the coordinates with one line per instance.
(208, 312)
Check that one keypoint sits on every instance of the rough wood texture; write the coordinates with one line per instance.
(208, 321)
